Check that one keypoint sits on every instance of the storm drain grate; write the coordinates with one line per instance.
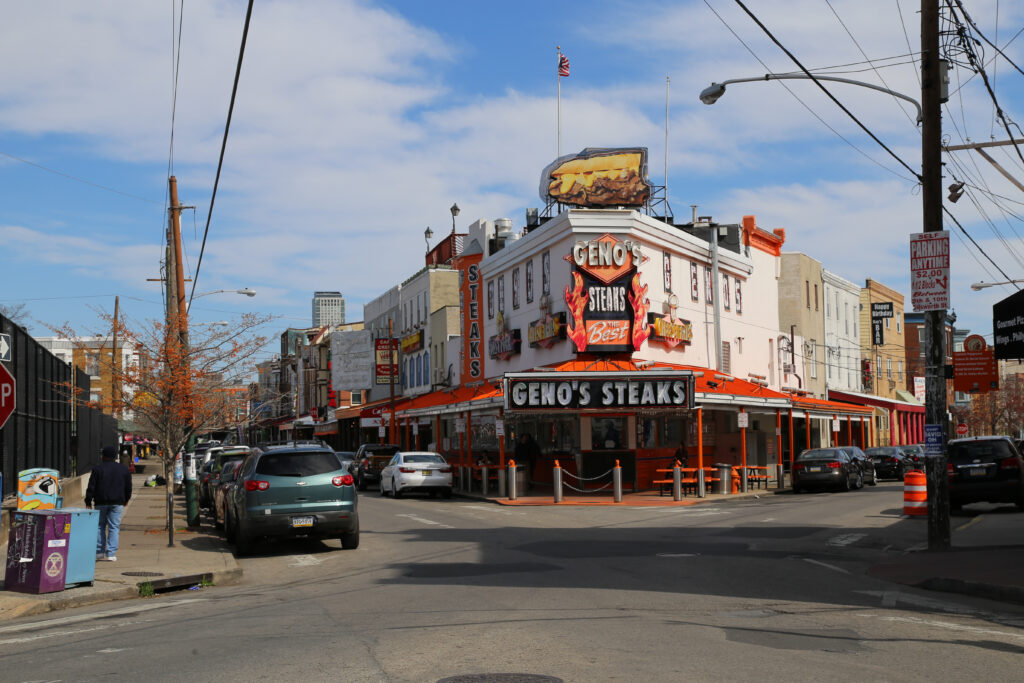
(142, 574)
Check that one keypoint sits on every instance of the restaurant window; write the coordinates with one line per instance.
(515, 289)
(899, 370)
(501, 294)
(545, 273)
(888, 368)
(726, 303)
(490, 299)
(807, 293)
(694, 285)
(812, 358)
(673, 432)
(647, 432)
(739, 297)
(554, 434)
(529, 281)
(482, 433)
(607, 433)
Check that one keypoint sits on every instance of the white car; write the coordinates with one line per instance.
(416, 471)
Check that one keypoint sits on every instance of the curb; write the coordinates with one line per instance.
(1014, 594)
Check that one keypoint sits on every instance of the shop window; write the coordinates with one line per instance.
(739, 297)
(725, 292)
(607, 433)
(647, 432)
(529, 281)
(515, 289)
(482, 432)
(694, 285)
(501, 294)
(888, 368)
(545, 273)
(673, 432)
(807, 293)
(554, 435)
(708, 299)
(816, 297)
(490, 299)
(812, 358)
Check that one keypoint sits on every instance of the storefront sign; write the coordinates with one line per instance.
(387, 372)
(413, 342)
(1008, 327)
(668, 330)
(470, 297)
(598, 178)
(547, 331)
(607, 304)
(499, 428)
(919, 390)
(614, 393)
(742, 420)
(877, 333)
(506, 343)
(881, 310)
(415, 428)
(460, 425)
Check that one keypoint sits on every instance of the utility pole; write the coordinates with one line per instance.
(935, 336)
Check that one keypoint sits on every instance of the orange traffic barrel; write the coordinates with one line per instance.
(915, 494)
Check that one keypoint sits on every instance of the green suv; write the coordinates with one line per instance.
(292, 491)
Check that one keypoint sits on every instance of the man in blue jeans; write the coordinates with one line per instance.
(110, 488)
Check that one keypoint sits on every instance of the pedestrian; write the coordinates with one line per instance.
(682, 456)
(110, 488)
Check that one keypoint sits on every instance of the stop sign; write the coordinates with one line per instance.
(6, 395)
(961, 429)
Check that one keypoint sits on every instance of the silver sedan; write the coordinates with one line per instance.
(416, 471)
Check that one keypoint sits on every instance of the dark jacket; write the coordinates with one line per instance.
(109, 484)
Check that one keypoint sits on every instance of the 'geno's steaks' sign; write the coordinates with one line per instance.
(524, 393)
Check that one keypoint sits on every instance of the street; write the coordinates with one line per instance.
(749, 589)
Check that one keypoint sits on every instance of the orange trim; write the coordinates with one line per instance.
(768, 242)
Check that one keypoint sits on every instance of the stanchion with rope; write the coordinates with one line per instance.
(915, 494)
(677, 482)
(512, 480)
(556, 479)
(617, 482)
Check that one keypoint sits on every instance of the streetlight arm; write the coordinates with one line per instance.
(710, 94)
(982, 285)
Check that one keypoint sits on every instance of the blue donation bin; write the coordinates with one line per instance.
(85, 524)
(37, 551)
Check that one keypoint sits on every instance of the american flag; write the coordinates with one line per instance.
(563, 65)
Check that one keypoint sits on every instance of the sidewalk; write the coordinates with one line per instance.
(143, 557)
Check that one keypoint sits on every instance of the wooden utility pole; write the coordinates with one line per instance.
(115, 361)
(934, 321)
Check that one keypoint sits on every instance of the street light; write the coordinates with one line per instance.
(427, 234)
(710, 94)
(455, 212)
(245, 292)
(982, 285)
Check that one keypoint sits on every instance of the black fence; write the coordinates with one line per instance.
(38, 434)
(93, 430)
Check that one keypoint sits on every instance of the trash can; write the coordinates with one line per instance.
(724, 474)
(85, 525)
(37, 551)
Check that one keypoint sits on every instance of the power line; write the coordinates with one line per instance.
(827, 91)
(77, 179)
(223, 146)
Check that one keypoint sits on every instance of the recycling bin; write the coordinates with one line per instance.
(85, 524)
(37, 551)
(38, 489)
(724, 474)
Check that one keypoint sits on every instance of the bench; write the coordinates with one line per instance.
(757, 476)
(686, 482)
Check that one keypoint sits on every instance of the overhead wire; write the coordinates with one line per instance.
(806, 106)
(223, 146)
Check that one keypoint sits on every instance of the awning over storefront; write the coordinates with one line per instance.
(304, 421)
(820, 408)
(469, 397)
(326, 428)
(875, 401)
(907, 397)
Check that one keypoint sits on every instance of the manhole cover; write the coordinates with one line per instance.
(501, 678)
(141, 573)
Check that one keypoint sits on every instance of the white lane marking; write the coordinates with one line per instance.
(826, 565)
(490, 508)
(845, 539)
(973, 521)
(110, 650)
(64, 621)
(430, 522)
(678, 555)
(768, 519)
(305, 561)
(51, 634)
(891, 598)
(948, 625)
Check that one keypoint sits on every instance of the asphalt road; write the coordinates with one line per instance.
(752, 589)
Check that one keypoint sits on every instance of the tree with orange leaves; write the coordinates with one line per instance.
(178, 386)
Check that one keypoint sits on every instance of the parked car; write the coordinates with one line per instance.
(891, 462)
(416, 471)
(917, 455)
(218, 457)
(203, 484)
(826, 468)
(225, 481)
(866, 465)
(292, 491)
(984, 469)
(347, 458)
(371, 458)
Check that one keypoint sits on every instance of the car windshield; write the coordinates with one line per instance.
(881, 450)
(995, 449)
(820, 454)
(297, 464)
(434, 459)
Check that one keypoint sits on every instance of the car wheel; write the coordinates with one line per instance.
(395, 493)
(243, 544)
(217, 523)
(846, 483)
(859, 482)
(874, 478)
(350, 541)
(381, 488)
(229, 530)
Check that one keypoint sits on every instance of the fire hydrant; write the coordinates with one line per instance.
(735, 480)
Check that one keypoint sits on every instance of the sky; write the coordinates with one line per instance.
(358, 124)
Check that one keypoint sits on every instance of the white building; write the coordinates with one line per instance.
(328, 309)
(842, 340)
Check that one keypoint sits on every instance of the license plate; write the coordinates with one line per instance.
(814, 469)
(978, 471)
(302, 521)
(427, 473)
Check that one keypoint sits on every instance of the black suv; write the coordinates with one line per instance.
(371, 458)
(984, 469)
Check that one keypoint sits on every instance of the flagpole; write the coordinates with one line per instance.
(558, 75)
(668, 81)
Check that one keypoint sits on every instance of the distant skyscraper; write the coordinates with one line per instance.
(328, 309)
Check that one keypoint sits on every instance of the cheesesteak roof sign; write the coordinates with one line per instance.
(598, 391)
(598, 177)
